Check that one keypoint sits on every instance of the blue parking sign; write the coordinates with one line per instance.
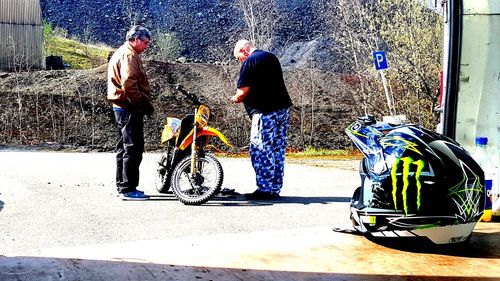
(379, 60)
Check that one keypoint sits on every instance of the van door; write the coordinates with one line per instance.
(471, 88)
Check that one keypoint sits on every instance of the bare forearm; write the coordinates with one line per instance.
(240, 95)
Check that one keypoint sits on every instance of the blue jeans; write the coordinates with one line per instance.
(267, 149)
(129, 149)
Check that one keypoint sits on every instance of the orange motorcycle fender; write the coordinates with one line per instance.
(206, 131)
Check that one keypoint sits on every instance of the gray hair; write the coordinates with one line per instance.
(138, 31)
(240, 45)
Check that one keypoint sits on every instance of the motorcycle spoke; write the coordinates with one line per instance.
(204, 184)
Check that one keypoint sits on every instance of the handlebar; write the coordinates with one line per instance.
(190, 96)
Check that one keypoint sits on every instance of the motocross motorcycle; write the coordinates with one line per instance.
(414, 183)
(186, 166)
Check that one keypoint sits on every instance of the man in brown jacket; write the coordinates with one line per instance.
(129, 92)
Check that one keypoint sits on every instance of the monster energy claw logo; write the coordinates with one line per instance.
(407, 162)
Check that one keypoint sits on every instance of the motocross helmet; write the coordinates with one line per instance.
(414, 183)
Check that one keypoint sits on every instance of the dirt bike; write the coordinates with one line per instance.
(187, 167)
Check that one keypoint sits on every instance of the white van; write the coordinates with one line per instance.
(471, 77)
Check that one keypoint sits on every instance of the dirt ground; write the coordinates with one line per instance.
(69, 107)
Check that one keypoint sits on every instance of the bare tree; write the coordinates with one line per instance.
(411, 36)
(352, 29)
(261, 19)
(130, 13)
(20, 62)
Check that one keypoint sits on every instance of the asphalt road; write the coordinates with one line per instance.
(69, 199)
(60, 219)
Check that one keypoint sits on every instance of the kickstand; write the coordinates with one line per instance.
(228, 191)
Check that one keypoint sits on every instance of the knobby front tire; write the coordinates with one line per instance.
(203, 186)
(162, 183)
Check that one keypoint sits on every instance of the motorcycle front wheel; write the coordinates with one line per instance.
(197, 189)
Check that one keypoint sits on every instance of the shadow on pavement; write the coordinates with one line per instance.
(240, 200)
(237, 199)
(313, 200)
(162, 197)
(41, 268)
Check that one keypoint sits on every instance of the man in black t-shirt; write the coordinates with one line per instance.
(262, 90)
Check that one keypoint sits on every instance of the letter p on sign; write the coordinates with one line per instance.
(379, 60)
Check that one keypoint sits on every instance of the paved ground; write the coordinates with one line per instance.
(61, 220)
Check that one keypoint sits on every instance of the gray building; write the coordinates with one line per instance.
(21, 44)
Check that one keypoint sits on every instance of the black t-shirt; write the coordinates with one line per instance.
(262, 72)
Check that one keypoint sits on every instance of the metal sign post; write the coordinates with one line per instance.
(380, 62)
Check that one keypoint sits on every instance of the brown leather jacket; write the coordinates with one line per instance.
(128, 85)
